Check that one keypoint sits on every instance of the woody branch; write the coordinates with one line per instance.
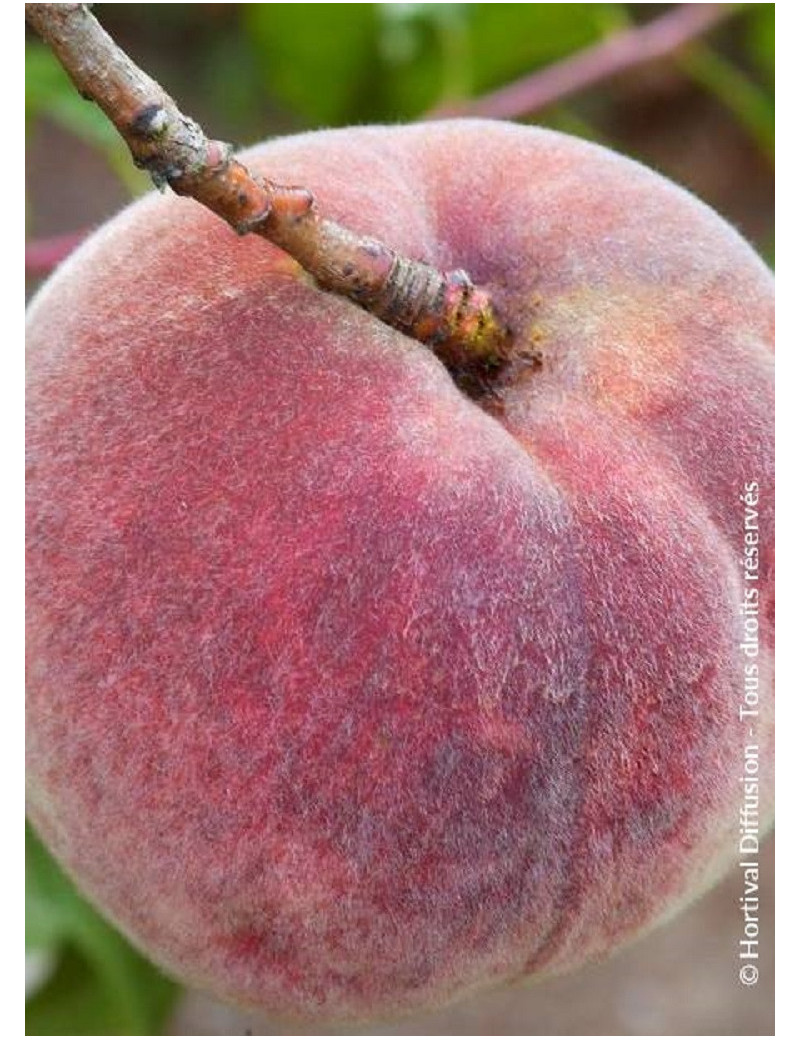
(443, 309)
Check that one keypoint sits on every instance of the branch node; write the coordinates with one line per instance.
(292, 204)
(252, 223)
(150, 122)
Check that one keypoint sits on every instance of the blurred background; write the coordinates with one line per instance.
(702, 113)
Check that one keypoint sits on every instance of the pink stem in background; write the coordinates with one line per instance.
(624, 50)
(43, 254)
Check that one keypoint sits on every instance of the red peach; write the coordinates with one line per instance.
(347, 692)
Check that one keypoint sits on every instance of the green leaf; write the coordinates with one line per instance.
(77, 1002)
(49, 92)
(425, 54)
(510, 40)
(49, 901)
(749, 103)
(760, 30)
(321, 60)
(101, 985)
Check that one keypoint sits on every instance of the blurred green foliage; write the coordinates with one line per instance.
(343, 63)
(313, 65)
(325, 74)
(338, 64)
(49, 93)
(760, 41)
(93, 982)
(752, 106)
(262, 68)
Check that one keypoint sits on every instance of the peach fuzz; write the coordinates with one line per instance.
(349, 693)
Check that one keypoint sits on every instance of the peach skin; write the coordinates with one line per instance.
(353, 688)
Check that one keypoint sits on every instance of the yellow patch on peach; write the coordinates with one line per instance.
(625, 346)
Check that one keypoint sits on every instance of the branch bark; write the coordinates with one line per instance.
(623, 51)
(442, 309)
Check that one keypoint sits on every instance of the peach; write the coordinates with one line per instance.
(348, 691)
